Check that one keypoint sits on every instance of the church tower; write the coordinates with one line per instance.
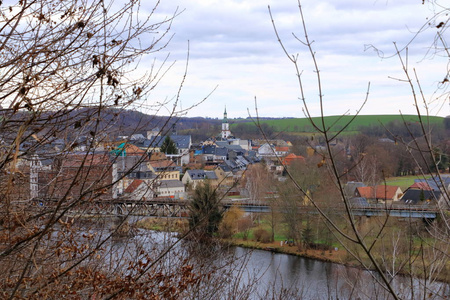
(226, 133)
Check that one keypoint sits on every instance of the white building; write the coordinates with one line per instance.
(226, 133)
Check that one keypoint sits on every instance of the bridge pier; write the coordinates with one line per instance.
(363, 223)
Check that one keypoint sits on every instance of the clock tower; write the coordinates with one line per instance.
(226, 133)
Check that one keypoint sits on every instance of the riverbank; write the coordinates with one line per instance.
(336, 255)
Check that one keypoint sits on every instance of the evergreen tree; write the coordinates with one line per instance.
(205, 211)
(168, 146)
(422, 195)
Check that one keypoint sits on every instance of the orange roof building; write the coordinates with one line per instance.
(421, 186)
(380, 192)
(291, 158)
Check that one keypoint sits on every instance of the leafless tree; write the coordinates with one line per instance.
(381, 247)
(68, 70)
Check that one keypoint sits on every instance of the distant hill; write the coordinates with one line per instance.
(377, 124)
(202, 128)
(127, 122)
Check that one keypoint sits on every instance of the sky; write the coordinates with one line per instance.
(235, 60)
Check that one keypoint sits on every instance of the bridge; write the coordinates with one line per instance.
(179, 207)
(397, 210)
(368, 210)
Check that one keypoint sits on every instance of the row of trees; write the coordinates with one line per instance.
(369, 159)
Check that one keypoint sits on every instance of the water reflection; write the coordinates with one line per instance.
(256, 274)
(314, 279)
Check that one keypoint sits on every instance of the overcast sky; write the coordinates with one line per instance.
(233, 46)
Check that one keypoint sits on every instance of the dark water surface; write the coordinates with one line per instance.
(314, 279)
(267, 275)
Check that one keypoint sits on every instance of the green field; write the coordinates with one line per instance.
(403, 182)
(336, 123)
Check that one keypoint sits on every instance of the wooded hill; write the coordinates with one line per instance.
(127, 122)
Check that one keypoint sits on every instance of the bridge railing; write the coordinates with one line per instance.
(396, 207)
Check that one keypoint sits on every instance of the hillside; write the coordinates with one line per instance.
(338, 122)
(368, 124)
(126, 122)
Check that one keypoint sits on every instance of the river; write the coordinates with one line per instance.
(313, 279)
(258, 274)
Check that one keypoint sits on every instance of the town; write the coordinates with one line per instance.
(224, 150)
(145, 167)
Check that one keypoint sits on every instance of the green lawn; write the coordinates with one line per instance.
(403, 182)
(339, 122)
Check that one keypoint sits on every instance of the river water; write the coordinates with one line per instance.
(258, 274)
(314, 279)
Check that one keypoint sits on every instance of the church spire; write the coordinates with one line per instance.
(225, 119)
(225, 126)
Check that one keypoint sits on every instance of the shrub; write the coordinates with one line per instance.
(262, 235)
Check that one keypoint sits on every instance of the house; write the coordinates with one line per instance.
(182, 142)
(266, 150)
(164, 169)
(421, 185)
(291, 159)
(235, 144)
(439, 184)
(350, 188)
(224, 175)
(281, 151)
(213, 155)
(420, 193)
(127, 149)
(86, 175)
(149, 145)
(379, 193)
(232, 145)
(130, 168)
(194, 177)
(170, 188)
(419, 196)
(137, 136)
(153, 133)
(274, 165)
(139, 190)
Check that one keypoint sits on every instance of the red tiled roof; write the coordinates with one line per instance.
(132, 150)
(282, 149)
(386, 192)
(83, 160)
(290, 158)
(421, 185)
(157, 156)
(133, 186)
(161, 163)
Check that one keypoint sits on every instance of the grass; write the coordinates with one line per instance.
(163, 224)
(338, 122)
(403, 182)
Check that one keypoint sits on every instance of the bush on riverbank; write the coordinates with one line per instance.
(262, 235)
(163, 224)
